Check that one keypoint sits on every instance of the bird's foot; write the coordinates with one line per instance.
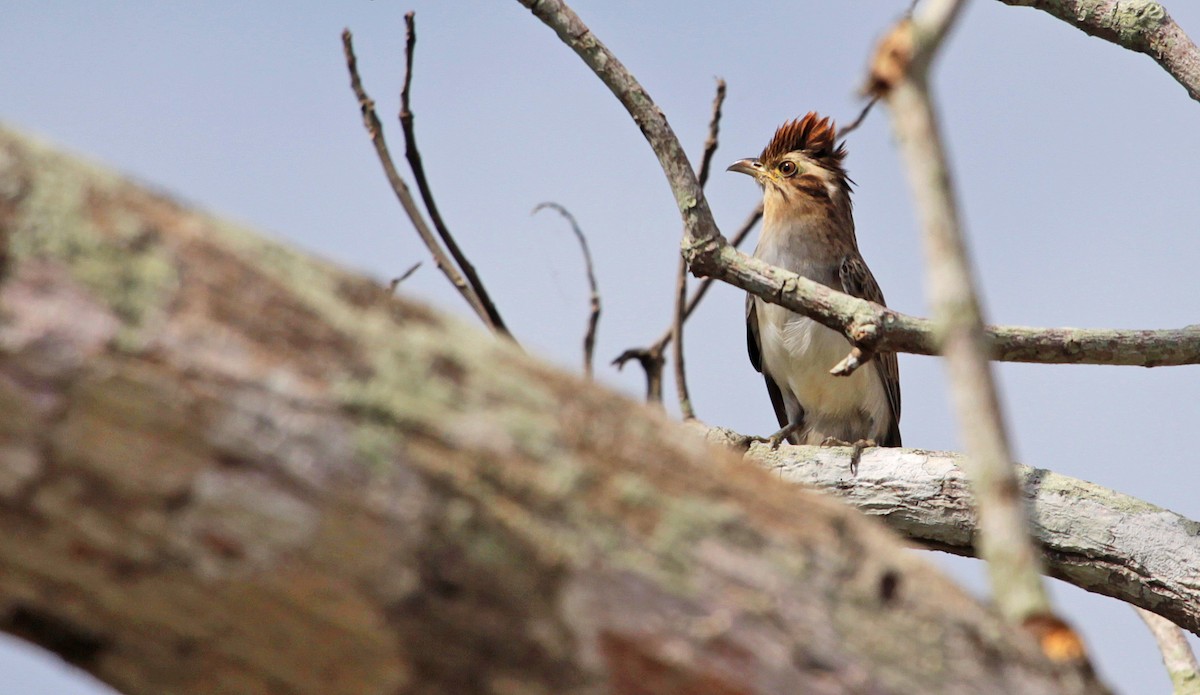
(856, 449)
(774, 440)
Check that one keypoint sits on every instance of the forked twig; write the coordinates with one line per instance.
(375, 131)
(413, 155)
(714, 129)
(589, 338)
(650, 358)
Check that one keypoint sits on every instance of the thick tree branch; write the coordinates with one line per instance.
(900, 72)
(1095, 538)
(1139, 25)
(310, 487)
(869, 325)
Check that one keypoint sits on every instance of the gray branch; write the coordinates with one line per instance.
(1139, 25)
(310, 486)
(1176, 653)
(872, 326)
(1097, 539)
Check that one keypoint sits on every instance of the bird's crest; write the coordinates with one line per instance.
(816, 137)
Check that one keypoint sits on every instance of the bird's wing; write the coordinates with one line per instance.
(857, 281)
(753, 346)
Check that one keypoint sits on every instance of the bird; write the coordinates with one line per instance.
(808, 229)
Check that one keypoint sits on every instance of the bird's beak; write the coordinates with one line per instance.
(753, 167)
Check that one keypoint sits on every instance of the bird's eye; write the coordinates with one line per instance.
(787, 168)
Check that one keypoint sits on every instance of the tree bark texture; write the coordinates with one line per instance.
(1095, 538)
(226, 467)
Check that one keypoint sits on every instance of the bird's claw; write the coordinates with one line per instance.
(856, 449)
(774, 440)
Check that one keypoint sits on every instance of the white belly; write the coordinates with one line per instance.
(798, 353)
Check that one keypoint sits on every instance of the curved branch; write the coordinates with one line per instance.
(589, 336)
(702, 239)
(879, 328)
(310, 487)
(1097, 539)
(1176, 653)
(1141, 26)
(873, 327)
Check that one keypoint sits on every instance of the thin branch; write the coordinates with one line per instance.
(900, 71)
(1176, 653)
(703, 242)
(681, 294)
(1098, 539)
(714, 129)
(403, 276)
(589, 338)
(375, 131)
(862, 116)
(651, 360)
(413, 155)
(647, 356)
(681, 390)
(863, 323)
(1143, 27)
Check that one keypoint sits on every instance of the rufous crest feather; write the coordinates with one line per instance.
(816, 137)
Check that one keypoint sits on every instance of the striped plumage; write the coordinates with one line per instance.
(808, 228)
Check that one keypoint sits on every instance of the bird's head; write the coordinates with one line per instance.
(800, 170)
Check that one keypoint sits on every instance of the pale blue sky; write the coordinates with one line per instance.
(1078, 165)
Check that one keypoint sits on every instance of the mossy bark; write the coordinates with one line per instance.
(229, 468)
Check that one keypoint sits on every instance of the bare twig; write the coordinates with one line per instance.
(714, 129)
(589, 338)
(651, 356)
(862, 116)
(413, 155)
(651, 360)
(899, 73)
(1176, 653)
(703, 241)
(681, 390)
(681, 294)
(403, 276)
(1144, 27)
(375, 131)
(871, 326)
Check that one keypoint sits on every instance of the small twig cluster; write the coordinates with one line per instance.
(454, 265)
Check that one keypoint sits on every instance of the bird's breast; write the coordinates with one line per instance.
(799, 352)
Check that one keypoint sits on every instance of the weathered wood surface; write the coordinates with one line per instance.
(229, 468)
